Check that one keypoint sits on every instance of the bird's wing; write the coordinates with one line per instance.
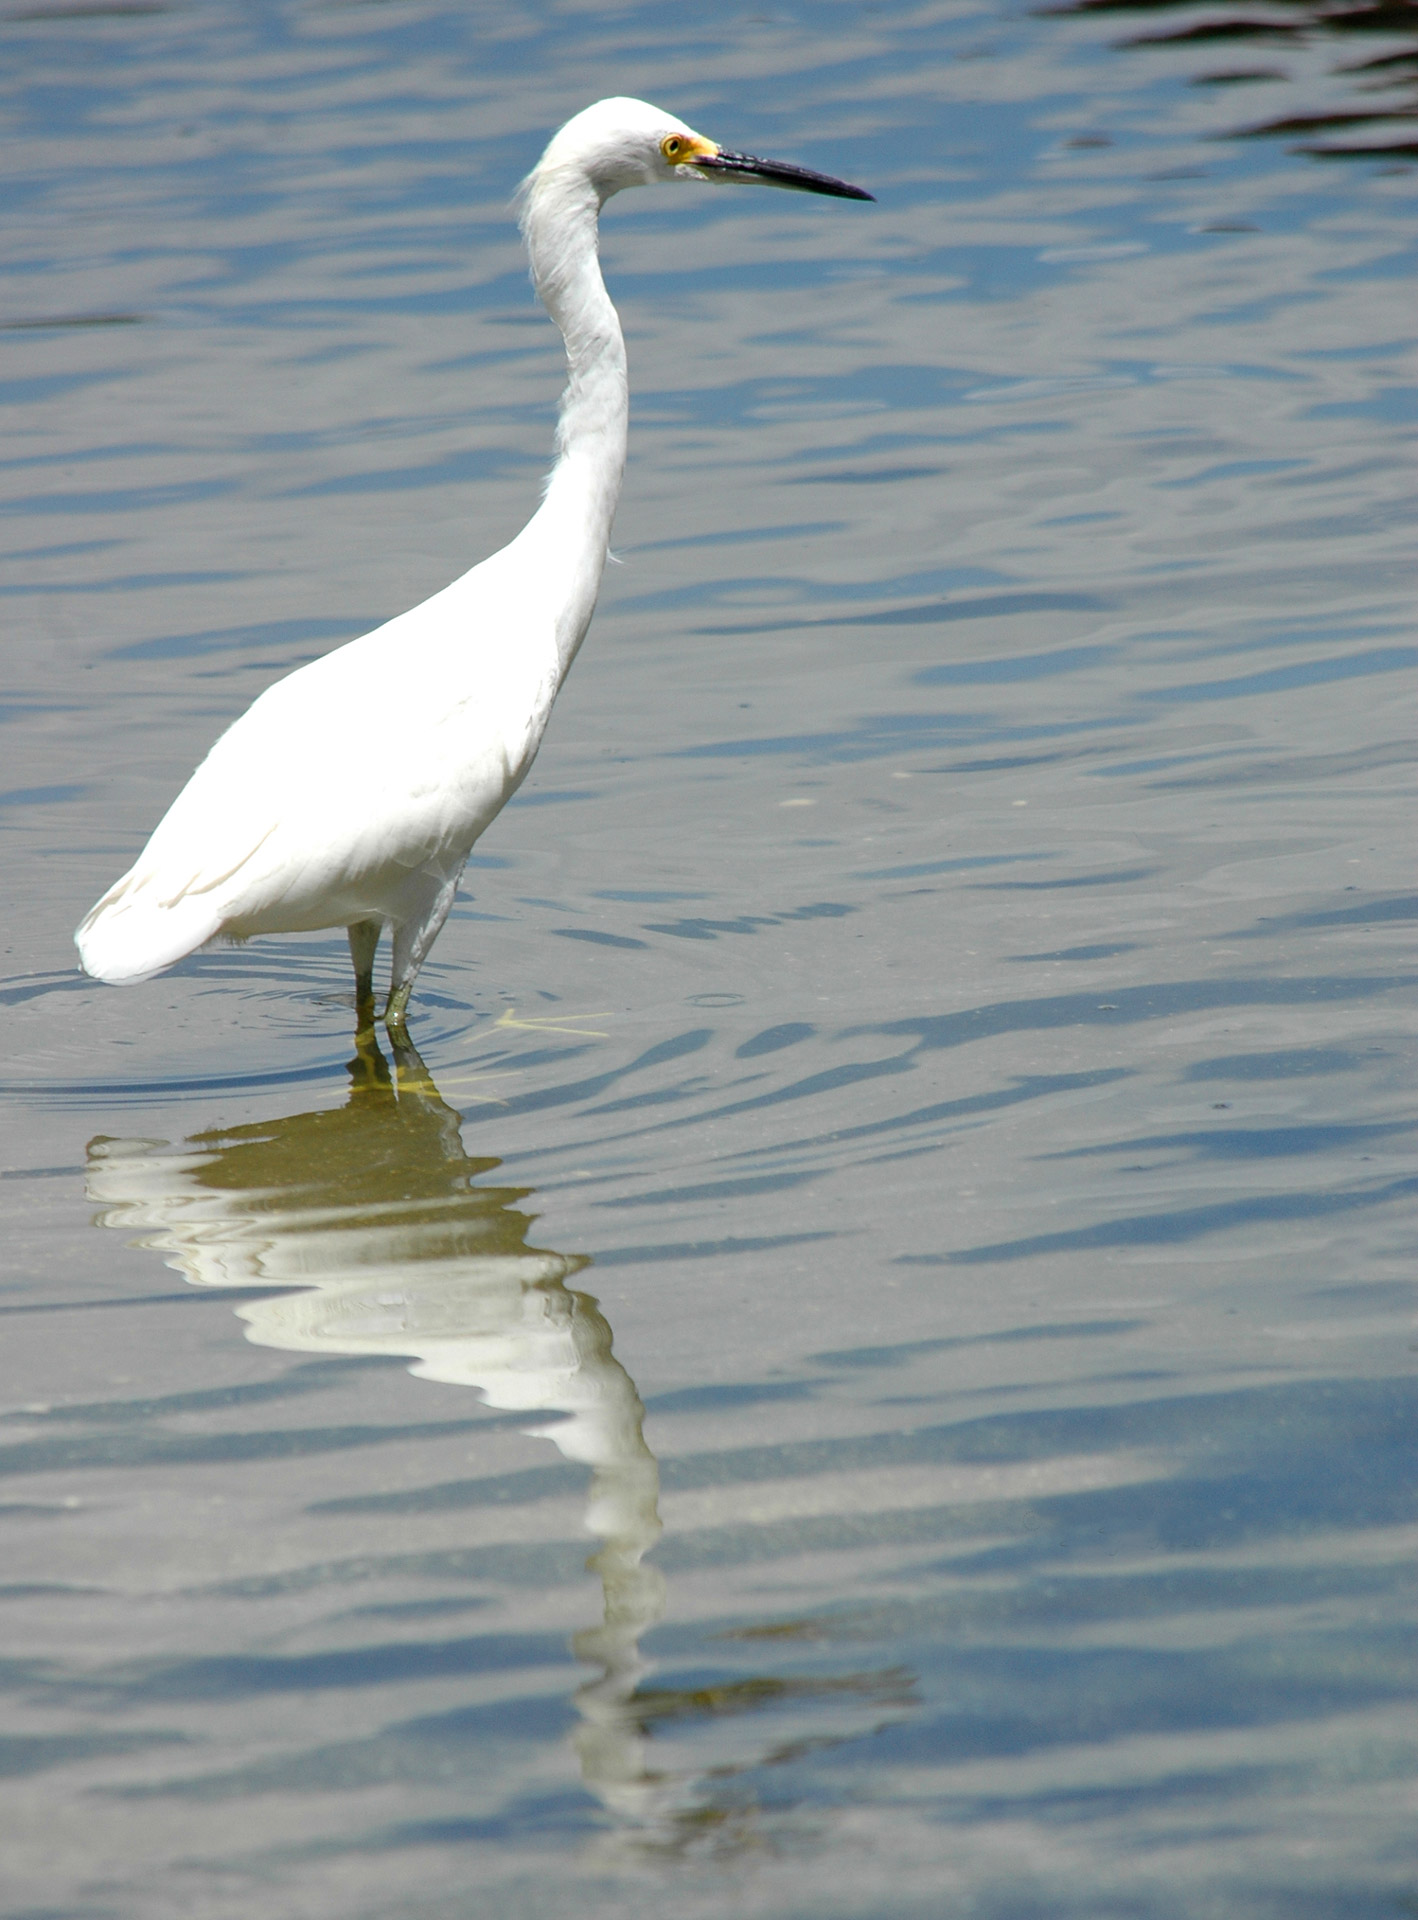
(390, 752)
(170, 901)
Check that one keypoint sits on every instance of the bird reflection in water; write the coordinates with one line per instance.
(372, 1214)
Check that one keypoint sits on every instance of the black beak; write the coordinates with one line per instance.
(774, 173)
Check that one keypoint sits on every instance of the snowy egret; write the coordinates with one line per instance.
(291, 823)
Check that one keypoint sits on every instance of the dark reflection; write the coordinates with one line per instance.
(1378, 120)
(379, 1224)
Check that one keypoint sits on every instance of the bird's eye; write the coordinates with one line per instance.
(672, 146)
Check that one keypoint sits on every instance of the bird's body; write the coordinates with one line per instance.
(327, 804)
(352, 791)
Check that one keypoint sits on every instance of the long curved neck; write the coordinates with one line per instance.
(572, 527)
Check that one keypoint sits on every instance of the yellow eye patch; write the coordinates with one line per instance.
(679, 148)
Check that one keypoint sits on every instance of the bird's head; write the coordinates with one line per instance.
(627, 143)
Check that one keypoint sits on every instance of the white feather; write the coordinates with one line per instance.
(351, 793)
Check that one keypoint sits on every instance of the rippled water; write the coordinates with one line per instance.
(911, 1164)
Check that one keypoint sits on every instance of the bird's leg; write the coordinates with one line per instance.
(396, 1011)
(412, 939)
(364, 938)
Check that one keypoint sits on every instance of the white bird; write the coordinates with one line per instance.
(308, 812)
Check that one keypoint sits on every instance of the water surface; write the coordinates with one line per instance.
(866, 1366)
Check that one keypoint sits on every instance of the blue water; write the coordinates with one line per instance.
(868, 1368)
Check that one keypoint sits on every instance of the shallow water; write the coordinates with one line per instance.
(911, 1165)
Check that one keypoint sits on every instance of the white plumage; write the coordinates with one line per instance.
(351, 792)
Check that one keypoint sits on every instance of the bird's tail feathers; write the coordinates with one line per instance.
(130, 935)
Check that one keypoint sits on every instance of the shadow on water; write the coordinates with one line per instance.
(1376, 116)
(373, 1221)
